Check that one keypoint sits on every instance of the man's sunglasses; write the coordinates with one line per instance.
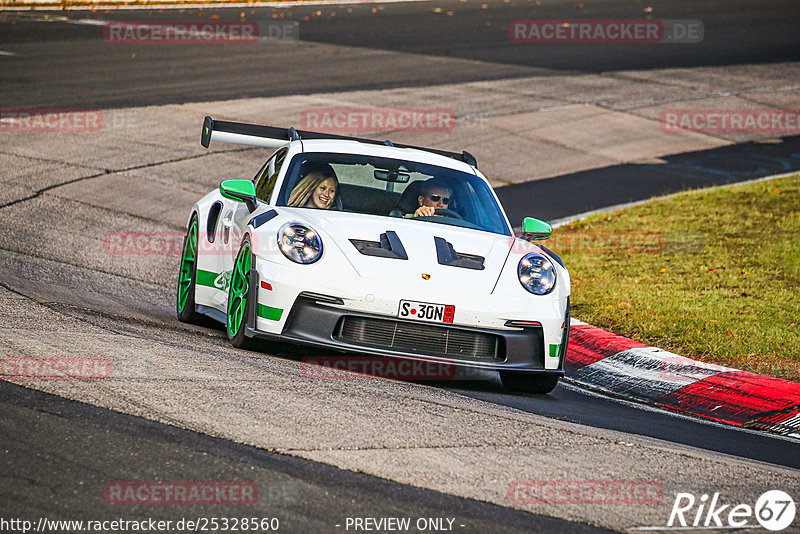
(437, 198)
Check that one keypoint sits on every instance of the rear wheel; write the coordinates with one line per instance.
(528, 382)
(184, 305)
(239, 300)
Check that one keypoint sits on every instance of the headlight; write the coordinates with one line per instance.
(536, 274)
(299, 243)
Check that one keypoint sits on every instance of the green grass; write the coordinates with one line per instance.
(713, 275)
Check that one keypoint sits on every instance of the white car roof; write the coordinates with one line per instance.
(367, 149)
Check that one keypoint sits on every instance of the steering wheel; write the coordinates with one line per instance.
(444, 212)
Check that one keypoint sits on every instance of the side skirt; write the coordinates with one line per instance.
(221, 317)
(213, 313)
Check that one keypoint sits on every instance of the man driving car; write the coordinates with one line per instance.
(434, 194)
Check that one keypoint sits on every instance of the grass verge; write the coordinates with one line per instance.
(713, 275)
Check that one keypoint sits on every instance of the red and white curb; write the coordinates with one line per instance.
(625, 368)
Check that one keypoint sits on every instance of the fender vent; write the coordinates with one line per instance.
(213, 216)
(447, 255)
(389, 246)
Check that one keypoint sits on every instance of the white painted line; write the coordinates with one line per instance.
(564, 106)
(87, 22)
(4, 53)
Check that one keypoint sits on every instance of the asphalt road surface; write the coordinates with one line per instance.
(62, 64)
(571, 403)
(97, 446)
(563, 196)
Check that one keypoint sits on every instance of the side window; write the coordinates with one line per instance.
(269, 176)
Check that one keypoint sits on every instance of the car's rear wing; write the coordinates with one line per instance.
(272, 137)
(243, 134)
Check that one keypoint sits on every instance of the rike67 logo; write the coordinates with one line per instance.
(774, 510)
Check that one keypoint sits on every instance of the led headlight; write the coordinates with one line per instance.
(536, 274)
(299, 243)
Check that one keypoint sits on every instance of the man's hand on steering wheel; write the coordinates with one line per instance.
(431, 211)
(425, 211)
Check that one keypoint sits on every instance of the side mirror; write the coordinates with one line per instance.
(241, 190)
(535, 229)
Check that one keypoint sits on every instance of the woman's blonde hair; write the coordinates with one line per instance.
(302, 191)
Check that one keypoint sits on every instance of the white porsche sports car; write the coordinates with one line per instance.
(366, 247)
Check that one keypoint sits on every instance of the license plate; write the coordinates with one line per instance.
(426, 312)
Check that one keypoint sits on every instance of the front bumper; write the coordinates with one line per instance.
(313, 323)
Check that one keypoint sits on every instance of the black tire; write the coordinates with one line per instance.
(240, 340)
(522, 382)
(188, 314)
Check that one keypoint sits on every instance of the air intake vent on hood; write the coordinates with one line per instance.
(448, 256)
(389, 246)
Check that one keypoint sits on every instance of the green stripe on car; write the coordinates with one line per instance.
(216, 280)
(206, 278)
(554, 350)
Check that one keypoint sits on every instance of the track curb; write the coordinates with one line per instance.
(621, 367)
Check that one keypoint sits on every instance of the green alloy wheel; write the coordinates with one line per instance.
(239, 301)
(184, 305)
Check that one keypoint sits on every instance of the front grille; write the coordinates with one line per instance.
(420, 338)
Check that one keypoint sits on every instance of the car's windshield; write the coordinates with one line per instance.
(391, 188)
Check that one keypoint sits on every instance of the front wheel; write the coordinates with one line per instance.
(239, 299)
(184, 305)
(528, 382)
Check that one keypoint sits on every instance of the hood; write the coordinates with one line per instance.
(449, 256)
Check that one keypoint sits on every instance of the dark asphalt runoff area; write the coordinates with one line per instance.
(58, 456)
(572, 194)
(60, 64)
